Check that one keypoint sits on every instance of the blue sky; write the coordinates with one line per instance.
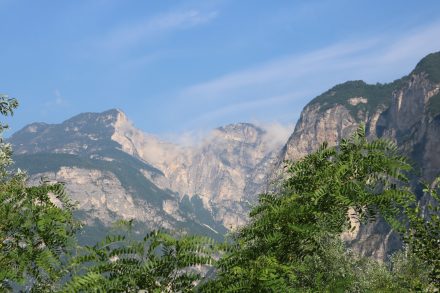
(188, 66)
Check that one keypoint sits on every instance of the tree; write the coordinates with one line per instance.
(36, 224)
(423, 235)
(286, 244)
(157, 263)
(38, 250)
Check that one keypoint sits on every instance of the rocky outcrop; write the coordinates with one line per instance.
(406, 111)
(100, 195)
(315, 127)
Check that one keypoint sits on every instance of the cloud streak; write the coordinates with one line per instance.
(293, 80)
(239, 107)
(133, 34)
(289, 67)
(349, 55)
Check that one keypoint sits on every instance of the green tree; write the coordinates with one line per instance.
(157, 263)
(38, 250)
(36, 225)
(285, 247)
(423, 235)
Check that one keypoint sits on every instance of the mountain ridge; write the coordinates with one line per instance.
(100, 145)
(223, 173)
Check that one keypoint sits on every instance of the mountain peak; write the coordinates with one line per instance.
(114, 111)
(241, 127)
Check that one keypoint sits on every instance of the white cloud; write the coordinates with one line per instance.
(367, 55)
(415, 44)
(276, 133)
(132, 34)
(58, 101)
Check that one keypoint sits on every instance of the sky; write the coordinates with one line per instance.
(188, 66)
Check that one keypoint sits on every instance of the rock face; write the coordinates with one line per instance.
(220, 169)
(116, 171)
(406, 111)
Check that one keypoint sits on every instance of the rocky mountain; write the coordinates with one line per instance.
(219, 170)
(406, 111)
(114, 170)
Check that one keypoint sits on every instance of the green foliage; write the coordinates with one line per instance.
(36, 225)
(286, 243)
(377, 94)
(158, 263)
(431, 66)
(36, 232)
(7, 107)
(423, 236)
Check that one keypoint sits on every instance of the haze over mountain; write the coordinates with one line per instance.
(116, 171)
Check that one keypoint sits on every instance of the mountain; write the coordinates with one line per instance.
(406, 111)
(114, 170)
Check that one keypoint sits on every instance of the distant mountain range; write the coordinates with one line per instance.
(116, 171)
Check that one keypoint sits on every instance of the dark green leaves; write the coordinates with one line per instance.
(157, 263)
(35, 233)
(285, 247)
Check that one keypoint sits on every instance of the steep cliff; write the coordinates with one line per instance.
(406, 111)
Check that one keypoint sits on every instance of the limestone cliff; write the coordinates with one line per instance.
(406, 111)
(221, 169)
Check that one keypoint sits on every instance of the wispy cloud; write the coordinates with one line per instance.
(245, 106)
(276, 133)
(287, 68)
(376, 59)
(57, 101)
(129, 35)
(413, 45)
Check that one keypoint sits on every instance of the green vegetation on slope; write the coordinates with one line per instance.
(431, 66)
(378, 94)
(292, 243)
